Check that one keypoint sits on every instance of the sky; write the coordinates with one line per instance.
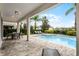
(56, 16)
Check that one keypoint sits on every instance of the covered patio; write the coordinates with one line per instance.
(26, 46)
(18, 12)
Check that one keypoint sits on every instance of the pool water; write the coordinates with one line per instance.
(69, 41)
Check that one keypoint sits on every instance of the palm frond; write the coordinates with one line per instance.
(35, 17)
(69, 10)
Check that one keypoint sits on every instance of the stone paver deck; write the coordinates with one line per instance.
(32, 48)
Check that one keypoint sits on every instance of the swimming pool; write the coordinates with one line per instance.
(69, 41)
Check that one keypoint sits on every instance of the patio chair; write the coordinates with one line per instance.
(17, 35)
(50, 52)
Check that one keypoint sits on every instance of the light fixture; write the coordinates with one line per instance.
(16, 12)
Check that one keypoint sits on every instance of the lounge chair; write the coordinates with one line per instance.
(50, 52)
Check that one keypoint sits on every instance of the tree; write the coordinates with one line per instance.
(45, 25)
(35, 18)
(70, 10)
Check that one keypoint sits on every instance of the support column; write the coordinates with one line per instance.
(77, 27)
(1, 31)
(18, 27)
(28, 29)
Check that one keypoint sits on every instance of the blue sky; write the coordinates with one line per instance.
(56, 16)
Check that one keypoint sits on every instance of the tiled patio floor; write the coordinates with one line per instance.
(31, 48)
(20, 48)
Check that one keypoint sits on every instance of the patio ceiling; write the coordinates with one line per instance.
(13, 12)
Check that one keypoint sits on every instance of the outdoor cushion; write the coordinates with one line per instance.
(50, 52)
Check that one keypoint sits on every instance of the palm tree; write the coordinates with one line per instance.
(35, 18)
(70, 10)
(45, 25)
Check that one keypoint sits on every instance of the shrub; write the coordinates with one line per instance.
(71, 33)
(49, 31)
(24, 31)
(56, 31)
(31, 30)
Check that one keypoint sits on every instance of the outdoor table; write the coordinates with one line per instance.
(14, 35)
